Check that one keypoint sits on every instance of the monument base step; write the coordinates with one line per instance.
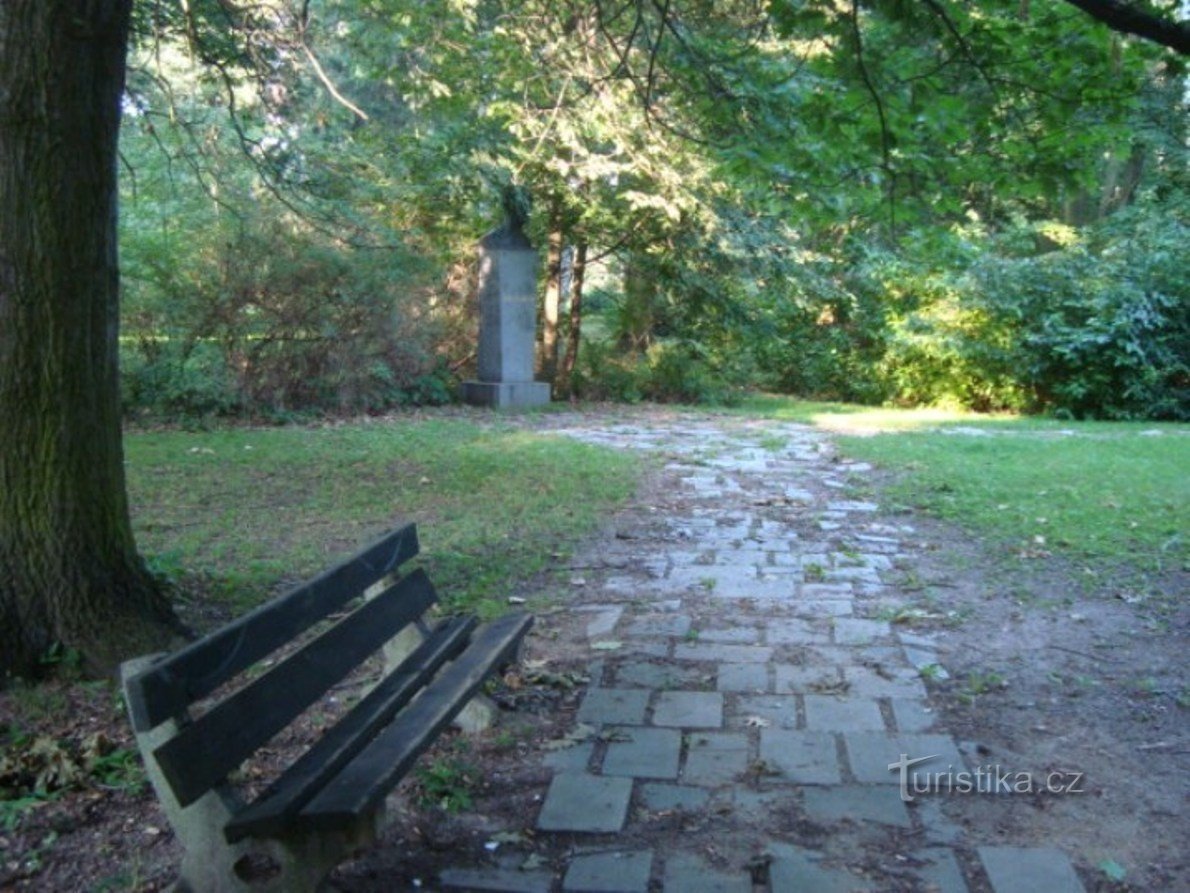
(506, 394)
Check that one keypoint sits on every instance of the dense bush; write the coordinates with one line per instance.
(668, 372)
(1043, 318)
(274, 319)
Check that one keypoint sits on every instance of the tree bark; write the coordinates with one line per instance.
(553, 298)
(1132, 18)
(69, 570)
(574, 336)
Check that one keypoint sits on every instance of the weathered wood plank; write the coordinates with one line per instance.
(166, 689)
(204, 751)
(271, 812)
(364, 782)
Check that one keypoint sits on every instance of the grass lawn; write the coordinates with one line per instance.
(1113, 497)
(246, 512)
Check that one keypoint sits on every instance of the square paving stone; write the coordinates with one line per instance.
(643, 752)
(791, 632)
(815, 608)
(865, 803)
(581, 802)
(803, 757)
(913, 716)
(941, 872)
(735, 635)
(743, 677)
(618, 872)
(794, 868)
(815, 678)
(689, 709)
(1020, 870)
(870, 755)
(614, 705)
(774, 711)
(827, 713)
(689, 874)
(659, 675)
(892, 681)
(858, 631)
(663, 626)
(1015, 869)
(715, 758)
(736, 654)
(661, 797)
(603, 623)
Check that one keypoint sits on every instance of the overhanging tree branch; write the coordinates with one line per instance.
(1130, 18)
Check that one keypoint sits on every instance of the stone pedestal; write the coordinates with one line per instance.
(507, 323)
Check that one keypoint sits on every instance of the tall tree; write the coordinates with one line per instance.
(69, 569)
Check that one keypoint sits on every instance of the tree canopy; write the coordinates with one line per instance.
(863, 199)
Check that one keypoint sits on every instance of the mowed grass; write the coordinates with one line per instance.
(1111, 496)
(251, 511)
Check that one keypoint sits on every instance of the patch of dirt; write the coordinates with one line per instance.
(1057, 675)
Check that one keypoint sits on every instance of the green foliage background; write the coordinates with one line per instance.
(956, 204)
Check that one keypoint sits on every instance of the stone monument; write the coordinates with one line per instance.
(507, 321)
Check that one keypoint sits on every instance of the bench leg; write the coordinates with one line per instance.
(294, 864)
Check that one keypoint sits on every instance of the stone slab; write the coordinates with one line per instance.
(913, 715)
(585, 803)
(805, 679)
(865, 803)
(803, 757)
(827, 713)
(892, 681)
(858, 631)
(660, 627)
(735, 635)
(715, 758)
(1027, 870)
(710, 651)
(614, 872)
(688, 709)
(689, 874)
(870, 754)
(773, 711)
(659, 676)
(794, 868)
(939, 870)
(743, 677)
(642, 752)
(621, 706)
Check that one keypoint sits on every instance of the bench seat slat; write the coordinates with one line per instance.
(166, 689)
(206, 750)
(272, 810)
(366, 780)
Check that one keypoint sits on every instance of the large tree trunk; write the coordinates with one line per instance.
(69, 570)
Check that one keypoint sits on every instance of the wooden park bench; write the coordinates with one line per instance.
(330, 800)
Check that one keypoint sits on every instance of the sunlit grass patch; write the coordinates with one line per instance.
(1109, 494)
(253, 510)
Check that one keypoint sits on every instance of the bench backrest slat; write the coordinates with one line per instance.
(206, 750)
(169, 687)
(284, 798)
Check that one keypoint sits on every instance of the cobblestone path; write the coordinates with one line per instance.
(751, 693)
